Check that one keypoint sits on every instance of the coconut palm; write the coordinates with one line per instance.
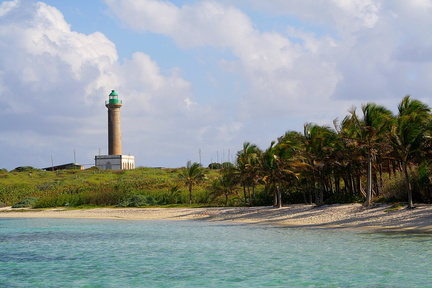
(410, 136)
(247, 164)
(281, 163)
(348, 158)
(225, 184)
(191, 174)
(320, 143)
(369, 132)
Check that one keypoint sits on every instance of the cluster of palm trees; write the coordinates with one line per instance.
(339, 164)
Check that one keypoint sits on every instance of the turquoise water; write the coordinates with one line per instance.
(117, 253)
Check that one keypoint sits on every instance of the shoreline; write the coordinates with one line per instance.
(336, 217)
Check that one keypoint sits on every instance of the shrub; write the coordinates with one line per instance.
(395, 189)
(173, 196)
(58, 200)
(138, 201)
(27, 202)
(24, 169)
(201, 196)
(215, 166)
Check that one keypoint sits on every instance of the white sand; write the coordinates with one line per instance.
(346, 216)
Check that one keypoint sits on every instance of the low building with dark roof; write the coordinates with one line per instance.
(64, 166)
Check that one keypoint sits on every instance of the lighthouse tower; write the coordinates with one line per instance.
(114, 131)
(114, 160)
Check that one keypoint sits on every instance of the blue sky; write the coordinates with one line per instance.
(202, 75)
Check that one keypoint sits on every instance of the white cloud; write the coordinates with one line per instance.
(354, 51)
(5, 7)
(54, 81)
(275, 68)
(42, 54)
(341, 16)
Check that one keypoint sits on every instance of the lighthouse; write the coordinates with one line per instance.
(115, 159)
(114, 130)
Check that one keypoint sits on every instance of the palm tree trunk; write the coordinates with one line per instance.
(310, 195)
(337, 185)
(381, 183)
(408, 185)
(317, 197)
(279, 195)
(321, 189)
(304, 196)
(353, 186)
(190, 193)
(369, 181)
(359, 187)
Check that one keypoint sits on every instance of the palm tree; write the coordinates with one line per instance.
(410, 136)
(281, 163)
(191, 174)
(369, 132)
(273, 171)
(320, 143)
(247, 164)
(348, 158)
(225, 184)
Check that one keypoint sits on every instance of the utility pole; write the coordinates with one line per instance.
(200, 157)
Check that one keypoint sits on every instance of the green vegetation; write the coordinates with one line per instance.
(93, 187)
(376, 156)
(27, 202)
(138, 201)
(191, 175)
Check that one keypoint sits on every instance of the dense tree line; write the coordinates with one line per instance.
(350, 161)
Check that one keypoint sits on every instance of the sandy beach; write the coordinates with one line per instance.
(339, 216)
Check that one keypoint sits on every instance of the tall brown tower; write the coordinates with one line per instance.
(114, 130)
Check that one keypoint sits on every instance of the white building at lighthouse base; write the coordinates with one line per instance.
(115, 162)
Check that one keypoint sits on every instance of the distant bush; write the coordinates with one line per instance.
(138, 201)
(215, 166)
(27, 202)
(228, 165)
(24, 169)
(3, 171)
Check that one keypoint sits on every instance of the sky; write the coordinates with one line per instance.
(198, 78)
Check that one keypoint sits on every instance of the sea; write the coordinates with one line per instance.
(38, 252)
